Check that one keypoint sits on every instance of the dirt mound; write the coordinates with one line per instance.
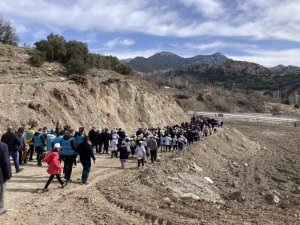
(219, 180)
(45, 96)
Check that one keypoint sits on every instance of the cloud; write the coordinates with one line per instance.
(271, 58)
(209, 8)
(118, 42)
(264, 19)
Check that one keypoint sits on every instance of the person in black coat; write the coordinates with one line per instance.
(86, 153)
(13, 143)
(123, 154)
(5, 173)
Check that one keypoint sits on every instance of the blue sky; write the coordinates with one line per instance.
(262, 31)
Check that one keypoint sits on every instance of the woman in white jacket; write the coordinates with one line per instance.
(114, 147)
(140, 153)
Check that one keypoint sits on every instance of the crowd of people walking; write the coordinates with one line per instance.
(68, 147)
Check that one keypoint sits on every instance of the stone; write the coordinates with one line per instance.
(209, 180)
(167, 200)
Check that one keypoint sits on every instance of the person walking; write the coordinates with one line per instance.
(29, 138)
(39, 145)
(5, 173)
(123, 154)
(69, 152)
(140, 154)
(152, 145)
(86, 153)
(54, 167)
(22, 150)
(114, 147)
(13, 143)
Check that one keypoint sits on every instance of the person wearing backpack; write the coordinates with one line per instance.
(54, 167)
(29, 138)
(39, 144)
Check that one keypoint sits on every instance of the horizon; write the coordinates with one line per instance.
(249, 31)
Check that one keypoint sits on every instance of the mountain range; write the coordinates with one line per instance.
(165, 61)
(219, 70)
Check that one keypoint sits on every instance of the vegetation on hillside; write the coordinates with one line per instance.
(74, 55)
(8, 34)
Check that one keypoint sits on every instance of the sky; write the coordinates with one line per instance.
(261, 31)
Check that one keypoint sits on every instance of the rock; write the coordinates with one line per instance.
(209, 180)
(167, 200)
(246, 164)
(190, 195)
(238, 196)
(177, 159)
(272, 198)
(175, 179)
(197, 168)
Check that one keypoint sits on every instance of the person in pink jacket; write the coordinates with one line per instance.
(54, 167)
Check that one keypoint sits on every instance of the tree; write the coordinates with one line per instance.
(76, 50)
(8, 34)
(76, 66)
(55, 47)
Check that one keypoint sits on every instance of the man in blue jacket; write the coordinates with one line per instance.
(5, 173)
(69, 153)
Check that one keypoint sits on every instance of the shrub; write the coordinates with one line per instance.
(76, 66)
(37, 59)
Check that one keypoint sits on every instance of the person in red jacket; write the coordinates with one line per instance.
(54, 167)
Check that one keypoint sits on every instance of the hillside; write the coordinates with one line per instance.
(47, 96)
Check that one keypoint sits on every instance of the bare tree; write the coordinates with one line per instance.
(8, 34)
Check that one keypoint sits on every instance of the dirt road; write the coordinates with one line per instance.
(75, 204)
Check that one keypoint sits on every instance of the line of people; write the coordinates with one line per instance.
(64, 146)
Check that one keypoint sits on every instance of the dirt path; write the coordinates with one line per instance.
(76, 204)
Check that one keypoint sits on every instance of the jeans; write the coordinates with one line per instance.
(31, 151)
(86, 170)
(15, 157)
(153, 155)
(106, 144)
(68, 166)
(40, 152)
(2, 187)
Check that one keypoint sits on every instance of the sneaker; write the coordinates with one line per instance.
(63, 185)
(18, 171)
(45, 190)
(85, 183)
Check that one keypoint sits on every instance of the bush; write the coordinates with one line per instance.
(296, 106)
(54, 47)
(37, 59)
(76, 66)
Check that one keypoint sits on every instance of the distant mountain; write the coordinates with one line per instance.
(171, 61)
(285, 69)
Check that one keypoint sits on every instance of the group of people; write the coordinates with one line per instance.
(68, 146)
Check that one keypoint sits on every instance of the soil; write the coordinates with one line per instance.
(246, 173)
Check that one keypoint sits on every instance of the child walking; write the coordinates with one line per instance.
(140, 154)
(54, 167)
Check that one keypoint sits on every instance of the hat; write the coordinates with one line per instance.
(57, 145)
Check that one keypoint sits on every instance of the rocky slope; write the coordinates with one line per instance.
(103, 98)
